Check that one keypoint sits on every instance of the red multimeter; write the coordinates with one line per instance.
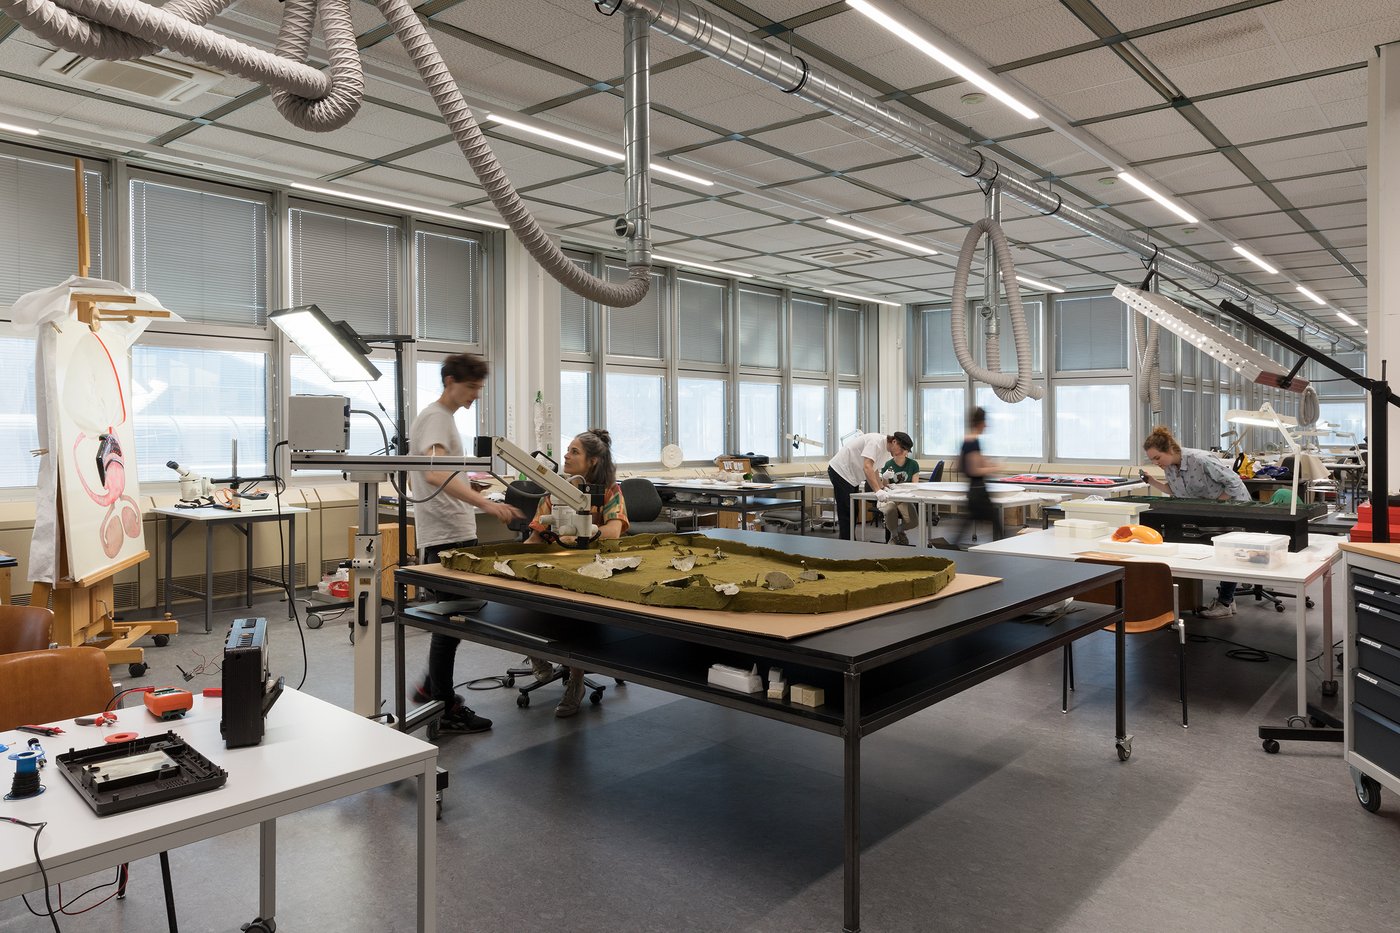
(168, 702)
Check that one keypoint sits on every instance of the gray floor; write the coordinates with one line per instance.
(992, 811)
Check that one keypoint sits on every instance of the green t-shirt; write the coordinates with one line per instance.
(906, 473)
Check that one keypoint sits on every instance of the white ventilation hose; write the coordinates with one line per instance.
(1149, 363)
(1309, 410)
(1009, 387)
(311, 99)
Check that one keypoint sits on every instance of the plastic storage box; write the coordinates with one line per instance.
(1252, 550)
(1081, 528)
(1110, 511)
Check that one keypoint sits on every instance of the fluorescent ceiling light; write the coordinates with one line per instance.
(1045, 286)
(1347, 319)
(1159, 198)
(1256, 260)
(908, 34)
(865, 298)
(1312, 295)
(611, 155)
(411, 208)
(701, 265)
(877, 235)
(335, 348)
(23, 130)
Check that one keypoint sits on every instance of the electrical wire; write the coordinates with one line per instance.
(289, 582)
(48, 903)
(378, 423)
(393, 481)
(63, 908)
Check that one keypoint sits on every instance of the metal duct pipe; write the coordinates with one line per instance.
(991, 281)
(636, 138)
(686, 22)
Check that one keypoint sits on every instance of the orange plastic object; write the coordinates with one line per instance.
(168, 702)
(1138, 533)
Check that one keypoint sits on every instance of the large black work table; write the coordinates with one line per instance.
(874, 673)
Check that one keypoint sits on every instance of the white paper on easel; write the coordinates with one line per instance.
(85, 425)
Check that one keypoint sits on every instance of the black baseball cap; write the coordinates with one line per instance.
(903, 440)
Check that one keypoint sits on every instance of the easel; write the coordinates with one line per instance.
(83, 609)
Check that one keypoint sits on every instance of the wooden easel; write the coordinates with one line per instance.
(83, 609)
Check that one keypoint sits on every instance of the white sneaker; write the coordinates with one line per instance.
(1217, 610)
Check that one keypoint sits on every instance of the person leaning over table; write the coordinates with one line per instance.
(589, 456)
(1195, 474)
(900, 468)
(857, 462)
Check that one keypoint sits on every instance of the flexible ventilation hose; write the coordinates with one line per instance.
(316, 101)
(1009, 387)
(1308, 408)
(1149, 362)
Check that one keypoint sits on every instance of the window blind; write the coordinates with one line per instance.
(939, 358)
(760, 320)
(636, 331)
(700, 319)
(575, 317)
(1035, 325)
(39, 239)
(809, 326)
(349, 267)
(848, 344)
(447, 287)
(204, 255)
(1092, 334)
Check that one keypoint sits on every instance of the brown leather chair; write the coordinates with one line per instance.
(53, 684)
(25, 628)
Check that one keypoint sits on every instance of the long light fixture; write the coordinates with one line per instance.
(1161, 199)
(910, 35)
(22, 130)
(611, 155)
(865, 298)
(885, 237)
(1347, 319)
(335, 348)
(1256, 260)
(399, 205)
(1266, 417)
(1043, 286)
(1312, 295)
(701, 265)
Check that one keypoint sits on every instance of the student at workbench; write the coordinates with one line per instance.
(858, 461)
(1195, 474)
(588, 456)
(446, 519)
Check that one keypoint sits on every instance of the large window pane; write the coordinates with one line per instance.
(634, 417)
(939, 358)
(760, 320)
(700, 417)
(575, 389)
(204, 255)
(700, 319)
(809, 326)
(38, 238)
(1092, 422)
(429, 389)
(190, 405)
(365, 435)
(19, 432)
(348, 267)
(1349, 418)
(758, 418)
(848, 342)
(1091, 334)
(847, 411)
(447, 287)
(636, 331)
(1012, 430)
(943, 411)
(576, 318)
(1187, 419)
(809, 417)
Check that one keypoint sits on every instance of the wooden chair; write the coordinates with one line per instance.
(52, 684)
(1151, 602)
(25, 628)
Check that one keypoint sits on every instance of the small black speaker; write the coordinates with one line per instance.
(247, 696)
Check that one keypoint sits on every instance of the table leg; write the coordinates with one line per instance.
(291, 579)
(267, 869)
(400, 677)
(427, 848)
(169, 559)
(1120, 674)
(248, 564)
(851, 794)
(1329, 680)
(208, 573)
(1300, 618)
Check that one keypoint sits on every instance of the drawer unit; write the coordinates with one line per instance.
(1380, 696)
(1377, 658)
(1376, 589)
(1372, 677)
(1375, 738)
(1378, 624)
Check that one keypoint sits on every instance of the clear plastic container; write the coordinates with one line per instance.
(1251, 550)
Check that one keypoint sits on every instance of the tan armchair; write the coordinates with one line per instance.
(57, 683)
(25, 628)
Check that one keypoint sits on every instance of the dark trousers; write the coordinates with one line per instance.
(843, 492)
(979, 509)
(442, 649)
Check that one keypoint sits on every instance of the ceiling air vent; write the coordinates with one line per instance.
(842, 255)
(148, 78)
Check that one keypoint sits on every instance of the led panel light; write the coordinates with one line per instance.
(1347, 319)
(1256, 260)
(335, 348)
(1158, 197)
(884, 237)
(1310, 295)
(399, 205)
(701, 265)
(1209, 339)
(865, 298)
(22, 130)
(909, 34)
(611, 155)
(1043, 286)
(1265, 417)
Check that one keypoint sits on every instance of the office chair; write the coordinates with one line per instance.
(644, 507)
(25, 628)
(1150, 603)
(936, 476)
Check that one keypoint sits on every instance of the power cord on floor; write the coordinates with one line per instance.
(48, 903)
(1251, 654)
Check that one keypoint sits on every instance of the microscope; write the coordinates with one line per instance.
(193, 487)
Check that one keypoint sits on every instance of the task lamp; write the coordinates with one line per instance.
(1266, 417)
(799, 440)
(334, 347)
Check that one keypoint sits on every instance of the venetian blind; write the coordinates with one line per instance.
(447, 287)
(809, 326)
(38, 240)
(636, 331)
(760, 321)
(700, 319)
(348, 267)
(575, 316)
(848, 344)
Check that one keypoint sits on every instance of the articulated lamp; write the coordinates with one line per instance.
(333, 346)
(1266, 417)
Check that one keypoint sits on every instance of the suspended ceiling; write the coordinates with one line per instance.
(1252, 114)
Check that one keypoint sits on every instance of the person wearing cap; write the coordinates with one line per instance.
(859, 461)
(900, 468)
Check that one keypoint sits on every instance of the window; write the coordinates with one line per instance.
(203, 254)
(634, 416)
(636, 331)
(19, 432)
(575, 390)
(809, 415)
(758, 417)
(447, 288)
(1349, 417)
(1012, 430)
(1092, 422)
(1187, 417)
(700, 420)
(1092, 334)
(348, 267)
(39, 236)
(943, 411)
(700, 305)
(939, 358)
(189, 405)
(365, 434)
(1035, 326)
(809, 320)
(848, 342)
(429, 389)
(576, 325)
(847, 411)
(760, 327)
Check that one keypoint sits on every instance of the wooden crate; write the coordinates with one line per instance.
(388, 555)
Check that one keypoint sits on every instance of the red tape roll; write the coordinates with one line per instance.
(117, 737)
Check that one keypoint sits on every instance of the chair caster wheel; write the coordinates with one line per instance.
(260, 926)
(510, 681)
(523, 700)
(161, 640)
(595, 697)
(1124, 748)
(314, 620)
(1329, 688)
(136, 670)
(1271, 746)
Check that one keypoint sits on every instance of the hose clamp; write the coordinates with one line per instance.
(981, 161)
(1059, 203)
(806, 73)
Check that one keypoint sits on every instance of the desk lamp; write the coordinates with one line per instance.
(334, 347)
(1268, 418)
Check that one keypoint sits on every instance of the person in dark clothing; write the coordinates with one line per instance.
(976, 467)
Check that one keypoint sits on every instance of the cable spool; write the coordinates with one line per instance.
(26, 782)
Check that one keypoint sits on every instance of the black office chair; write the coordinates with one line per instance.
(644, 508)
(937, 475)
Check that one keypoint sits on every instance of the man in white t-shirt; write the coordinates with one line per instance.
(448, 518)
(859, 461)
